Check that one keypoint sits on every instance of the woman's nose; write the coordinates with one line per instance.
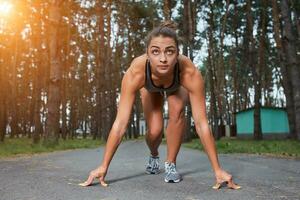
(163, 58)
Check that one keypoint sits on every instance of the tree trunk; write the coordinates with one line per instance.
(222, 96)
(258, 72)
(189, 16)
(13, 86)
(65, 78)
(35, 106)
(211, 74)
(3, 95)
(233, 63)
(296, 19)
(37, 76)
(255, 71)
(101, 81)
(54, 99)
(286, 81)
(167, 9)
(289, 44)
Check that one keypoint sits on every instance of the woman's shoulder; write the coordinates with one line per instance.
(185, 64)
(136, 70)
(189, 73)
(138, 64)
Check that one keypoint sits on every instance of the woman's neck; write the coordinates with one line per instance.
(162, 80)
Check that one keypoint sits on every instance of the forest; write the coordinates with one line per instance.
(62, 62)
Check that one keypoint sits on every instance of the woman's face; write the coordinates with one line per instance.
(162, 53)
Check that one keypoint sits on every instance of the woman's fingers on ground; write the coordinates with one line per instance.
(88, 181)
(232, 185)
(102, 182)
(217, 186)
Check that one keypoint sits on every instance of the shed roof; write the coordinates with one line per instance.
(265, 107)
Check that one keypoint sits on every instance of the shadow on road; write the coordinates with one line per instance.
(144, 174)
(184, 173)
(127, 177)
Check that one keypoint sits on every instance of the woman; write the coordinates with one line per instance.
(162, 72)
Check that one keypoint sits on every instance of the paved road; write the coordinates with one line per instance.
(56, 175)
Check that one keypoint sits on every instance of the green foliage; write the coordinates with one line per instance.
(289, 148)
(50, 142)
(13, 147)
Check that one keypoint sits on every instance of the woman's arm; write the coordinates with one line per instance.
(119, 126)
(130, 85)
(197, 100)
(193, 82)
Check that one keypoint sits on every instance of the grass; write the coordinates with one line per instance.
(13, 147)
(280, 148)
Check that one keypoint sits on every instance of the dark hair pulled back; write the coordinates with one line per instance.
(165, 29)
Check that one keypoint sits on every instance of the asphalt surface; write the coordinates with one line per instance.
(56, 176)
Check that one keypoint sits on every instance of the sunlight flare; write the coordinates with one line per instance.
(5, 8)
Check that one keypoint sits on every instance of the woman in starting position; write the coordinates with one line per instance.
(162, 72)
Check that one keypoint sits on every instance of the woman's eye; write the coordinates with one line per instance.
(155, 52)
(170, 52)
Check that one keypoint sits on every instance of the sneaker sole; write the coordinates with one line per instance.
(152, 173)
(172, 181)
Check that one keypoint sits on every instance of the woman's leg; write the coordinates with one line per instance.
(176, 123)
(152, 107)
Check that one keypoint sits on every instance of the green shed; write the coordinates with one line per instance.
(274, 122)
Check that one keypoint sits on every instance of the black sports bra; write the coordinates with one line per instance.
(149, 85)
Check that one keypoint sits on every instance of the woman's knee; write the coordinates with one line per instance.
(177, 114)
(177, 103)
(154, 131)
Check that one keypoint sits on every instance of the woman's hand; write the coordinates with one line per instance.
(223, 177)
(98, 173)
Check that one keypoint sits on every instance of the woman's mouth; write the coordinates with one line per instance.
(163, 66)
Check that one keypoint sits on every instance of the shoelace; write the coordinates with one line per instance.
(172, 169)
(155, 163)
